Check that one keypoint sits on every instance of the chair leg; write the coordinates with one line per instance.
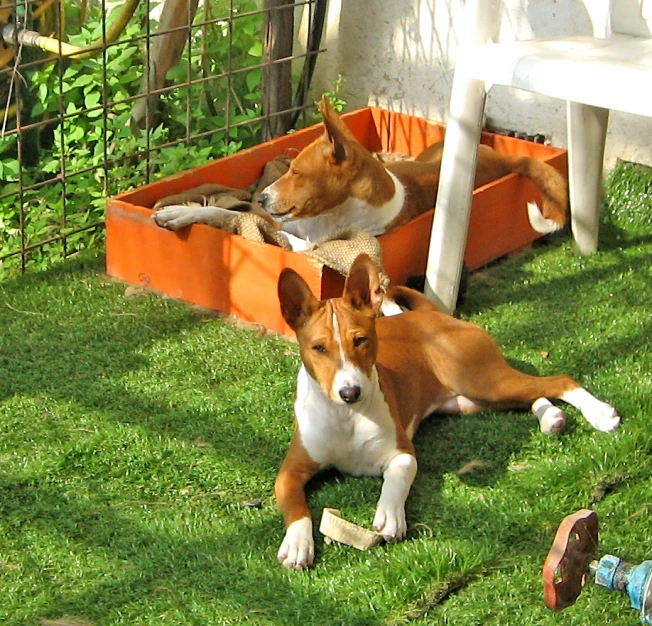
(457, 174)
(587, 133)
(453, 207)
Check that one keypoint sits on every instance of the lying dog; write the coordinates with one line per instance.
(336, 183)
(366, 384)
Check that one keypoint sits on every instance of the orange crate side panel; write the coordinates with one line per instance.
(412, 135)
(405, 251)
(203, 265)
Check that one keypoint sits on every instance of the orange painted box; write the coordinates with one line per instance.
(209, 267)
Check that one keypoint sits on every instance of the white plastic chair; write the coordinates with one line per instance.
(611, 70)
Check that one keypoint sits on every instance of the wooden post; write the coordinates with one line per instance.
(277, 77)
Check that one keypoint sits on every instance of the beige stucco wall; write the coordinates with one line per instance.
(400, 54)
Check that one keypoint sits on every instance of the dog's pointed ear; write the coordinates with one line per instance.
(297, 301)
(337, 134)
(362, 289)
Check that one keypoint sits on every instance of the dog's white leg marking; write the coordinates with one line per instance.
(539, 223)
(456, 404)
(398, 477)
(298, 547)
(551, 418)
(178, 216)
(597, 413)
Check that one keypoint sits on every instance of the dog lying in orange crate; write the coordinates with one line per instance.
(336, 183)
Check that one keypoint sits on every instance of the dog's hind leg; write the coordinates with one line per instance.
(597, 413)
(600, 415)
(551, 418)
(519, 388)
(480, 373)
(553, 214)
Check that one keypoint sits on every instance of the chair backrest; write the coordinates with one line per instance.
(631, 17)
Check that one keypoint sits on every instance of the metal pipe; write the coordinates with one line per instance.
(11, 35)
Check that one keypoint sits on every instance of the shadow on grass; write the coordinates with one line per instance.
(601, 289)
(68, 343)
(62, 343)
(513, 277)
(172, 572)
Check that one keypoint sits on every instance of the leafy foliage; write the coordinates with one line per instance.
(90, 150)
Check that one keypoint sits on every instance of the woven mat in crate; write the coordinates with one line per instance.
(337, 251)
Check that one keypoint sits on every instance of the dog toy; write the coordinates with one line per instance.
(572, 559)
(334, 527)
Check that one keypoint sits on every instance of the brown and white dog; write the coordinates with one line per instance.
(336, 183)
(366, 383)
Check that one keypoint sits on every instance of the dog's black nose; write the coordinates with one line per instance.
(350, 394)
(263, 199)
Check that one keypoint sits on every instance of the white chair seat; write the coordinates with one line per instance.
(573, 68)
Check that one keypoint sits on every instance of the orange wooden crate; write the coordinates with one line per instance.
(212, 268)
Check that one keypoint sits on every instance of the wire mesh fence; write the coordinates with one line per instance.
(100, 98)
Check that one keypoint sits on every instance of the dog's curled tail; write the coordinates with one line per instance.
(553, 215)
(399, 299)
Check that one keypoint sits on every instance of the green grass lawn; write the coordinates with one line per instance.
(137, 432)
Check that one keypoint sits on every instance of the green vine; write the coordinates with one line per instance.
(94, 148)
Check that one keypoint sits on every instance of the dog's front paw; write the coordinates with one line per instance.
(298, 548)
(174, 217)
(390, 522)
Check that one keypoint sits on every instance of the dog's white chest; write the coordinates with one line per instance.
(357, 439)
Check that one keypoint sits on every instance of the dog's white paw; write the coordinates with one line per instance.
(174, 217)
(539, 223)
(552, 420)
(298, 548)
(602, 416)
(390, 522)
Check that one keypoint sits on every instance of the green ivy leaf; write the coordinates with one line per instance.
(9, 169)
(82, 80)
(92, 99)
(256, 50)
(253, 79)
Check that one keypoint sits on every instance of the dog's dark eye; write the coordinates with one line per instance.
(318, 347)
(294, 172)
(358, 341)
